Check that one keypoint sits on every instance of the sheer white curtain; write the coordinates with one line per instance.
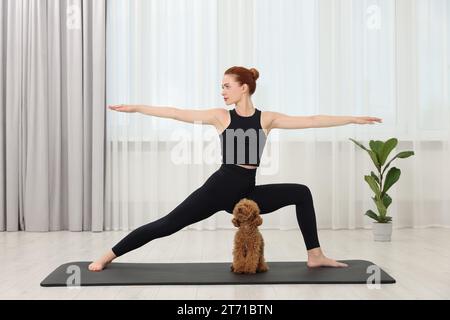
(382, 58)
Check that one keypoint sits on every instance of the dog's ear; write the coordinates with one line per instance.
(236, 222)
(259, 220)
(256, 220)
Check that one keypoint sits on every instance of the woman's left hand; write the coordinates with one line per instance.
(366, 120)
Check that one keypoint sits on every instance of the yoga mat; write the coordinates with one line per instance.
(203, 273)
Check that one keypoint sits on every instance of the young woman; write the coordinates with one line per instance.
(235, 179)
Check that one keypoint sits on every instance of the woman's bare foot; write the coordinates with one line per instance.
(316, 258)
(101, 263)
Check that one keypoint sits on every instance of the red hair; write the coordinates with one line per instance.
(244, 75)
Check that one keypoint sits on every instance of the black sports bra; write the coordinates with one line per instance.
(243, 141)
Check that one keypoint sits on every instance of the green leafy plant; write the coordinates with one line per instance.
(379, 151)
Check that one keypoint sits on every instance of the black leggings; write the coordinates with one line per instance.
(221, 191)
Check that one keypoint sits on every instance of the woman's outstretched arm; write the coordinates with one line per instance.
(206, 116)
(283, 121)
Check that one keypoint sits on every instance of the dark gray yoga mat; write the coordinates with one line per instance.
(202, 273)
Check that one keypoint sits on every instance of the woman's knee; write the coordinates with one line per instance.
(304, 192)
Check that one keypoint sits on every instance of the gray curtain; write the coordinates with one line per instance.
(52, 94)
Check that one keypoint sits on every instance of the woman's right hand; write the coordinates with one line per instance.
(123, 108)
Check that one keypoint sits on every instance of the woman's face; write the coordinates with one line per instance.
(231, 90)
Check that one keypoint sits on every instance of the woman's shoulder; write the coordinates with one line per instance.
(267, 117)
(266, 120)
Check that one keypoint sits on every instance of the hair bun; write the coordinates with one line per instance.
(255, 73)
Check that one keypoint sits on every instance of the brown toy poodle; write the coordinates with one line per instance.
(248, 251)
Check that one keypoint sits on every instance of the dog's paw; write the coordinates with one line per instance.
(237, 270)
(263, 269)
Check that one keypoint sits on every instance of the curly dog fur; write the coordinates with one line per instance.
(248, 251)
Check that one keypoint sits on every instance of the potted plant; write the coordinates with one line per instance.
(379, 151)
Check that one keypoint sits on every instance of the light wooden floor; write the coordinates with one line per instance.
(419, 260)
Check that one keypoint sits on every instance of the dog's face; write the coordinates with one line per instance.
(246, 212)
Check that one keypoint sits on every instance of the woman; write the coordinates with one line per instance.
(235, 179)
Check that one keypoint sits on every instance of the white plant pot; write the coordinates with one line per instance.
(382, 231)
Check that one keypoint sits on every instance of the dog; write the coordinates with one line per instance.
(248, 251)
